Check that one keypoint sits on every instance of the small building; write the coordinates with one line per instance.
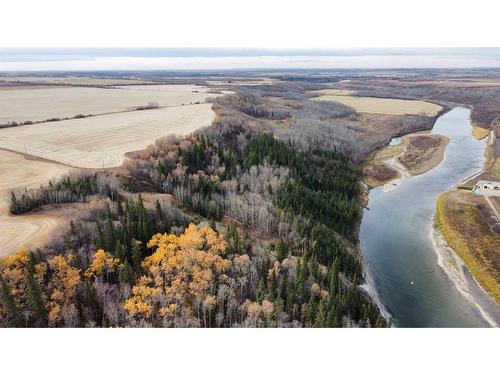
(488, 188)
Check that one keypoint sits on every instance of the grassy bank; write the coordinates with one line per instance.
(470, 237)
(479, 133)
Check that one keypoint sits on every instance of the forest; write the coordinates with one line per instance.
(240, 228)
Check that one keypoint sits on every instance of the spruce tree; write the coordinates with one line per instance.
(14, 205)
(109, 235)
(282, 250)
(126, 275)
(9, 306)
(320, 316)
(159, 211)
(261, 291)
(119, 209)
(136, 254)
(120, 251)
(33, 293)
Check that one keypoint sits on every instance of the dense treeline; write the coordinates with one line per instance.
(325, 184)
(68, 189)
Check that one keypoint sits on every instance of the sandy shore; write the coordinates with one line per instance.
(403, 174)
(369, 287)
(463, 280)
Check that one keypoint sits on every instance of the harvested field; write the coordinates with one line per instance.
(463, 219)
(169, 88)
(40, 104)
(423, 152)
(85, 81)
(18, 172)
(334, 92)
(385, 106)
(93, 141)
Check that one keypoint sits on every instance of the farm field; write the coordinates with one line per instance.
(385, 106)
(334, 92)
(170, 88)
(40, 104)
(18, 172)
(103, 140)
(72, 80)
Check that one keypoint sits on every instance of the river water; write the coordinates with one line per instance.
(395, 237)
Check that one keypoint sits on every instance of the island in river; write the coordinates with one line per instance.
(412, 154)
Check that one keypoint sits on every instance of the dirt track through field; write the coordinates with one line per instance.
(17, 172)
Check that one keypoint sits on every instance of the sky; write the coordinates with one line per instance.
(247, 24)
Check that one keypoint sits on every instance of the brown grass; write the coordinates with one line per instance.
(471, 238)
(378, 173)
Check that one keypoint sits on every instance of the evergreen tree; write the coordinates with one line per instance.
(9, 306)
(119, 209)
(120, 251)
(261, 291)
(137, 254)
(14, 208)
(33, 293)
(109, 235)
(320, 316)
(311, 311)
(90, 301)
(282, 250)
(126, 275)
(159, 211)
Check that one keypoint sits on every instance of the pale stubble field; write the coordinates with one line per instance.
(382, 105)
(94, 142)
(34, 103)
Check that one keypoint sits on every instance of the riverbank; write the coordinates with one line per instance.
(462, 220)
(462, 278)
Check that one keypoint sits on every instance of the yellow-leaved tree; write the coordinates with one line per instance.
(102, 265)
(46, 291)
(64, 280)
(180, 285)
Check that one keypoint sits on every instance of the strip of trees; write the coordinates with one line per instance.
(68, 189)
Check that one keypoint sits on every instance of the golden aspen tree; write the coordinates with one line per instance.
(62, 284)
(103, 264)
(181, 277)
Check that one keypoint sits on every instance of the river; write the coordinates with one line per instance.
(395, 237)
